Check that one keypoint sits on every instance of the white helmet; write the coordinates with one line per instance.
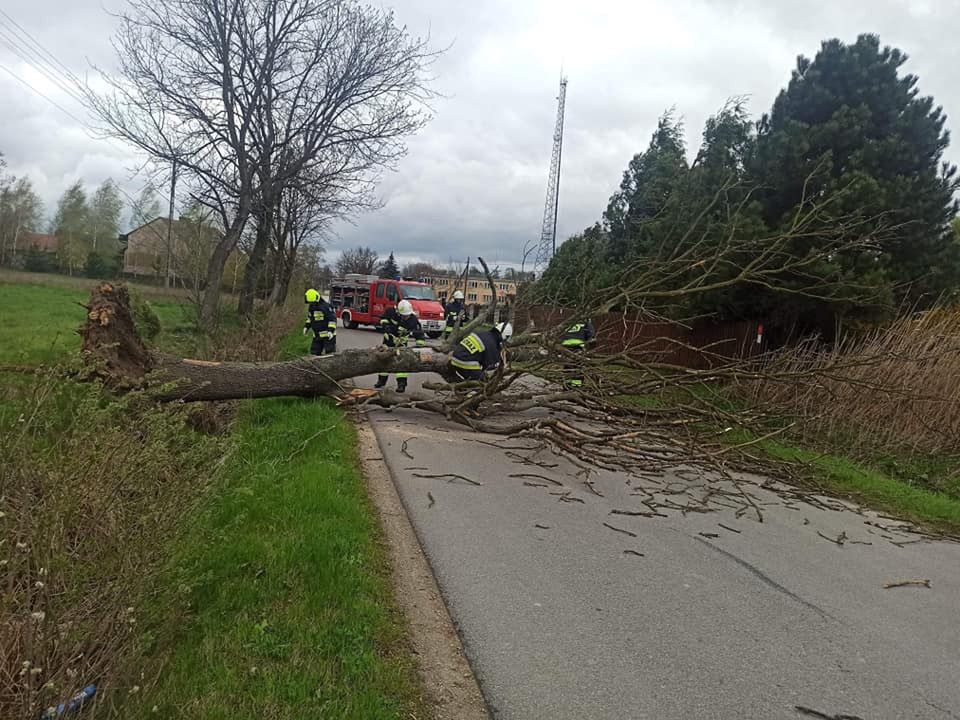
(505, 329)
(458, 295)
(404, 307)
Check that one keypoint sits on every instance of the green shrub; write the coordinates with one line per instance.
(102, 265)
(35, 260)
(145, 318)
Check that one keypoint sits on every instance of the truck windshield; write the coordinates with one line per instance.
(417, 292)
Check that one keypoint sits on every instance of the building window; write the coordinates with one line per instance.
(503, 286)
(472, 296)
(473, 283)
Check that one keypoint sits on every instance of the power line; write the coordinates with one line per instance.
(66, 71)
(41, 94)
(31, 57)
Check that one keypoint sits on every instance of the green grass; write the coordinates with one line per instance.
(274, 599)
(863, 482)
(40, 322)
(281, 590)
(923, 488)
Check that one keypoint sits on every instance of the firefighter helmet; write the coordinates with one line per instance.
(404, 307)
(458, 295)
(311, 296)
(505, 329)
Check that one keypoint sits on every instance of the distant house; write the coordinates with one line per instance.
(146, 253)
(477, 290)
(38, 241)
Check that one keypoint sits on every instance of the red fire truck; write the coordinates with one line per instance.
(362, 300)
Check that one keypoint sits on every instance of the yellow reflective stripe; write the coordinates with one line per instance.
(473, 344)
(331, 323)
(466, 364)
(574, 341)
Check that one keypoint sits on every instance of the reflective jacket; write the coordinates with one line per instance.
(578, 335)
(397, 329)
(454, 311)
(322, 319)
(478, 351)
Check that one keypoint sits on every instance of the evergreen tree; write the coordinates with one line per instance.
(389, 268)
(849, 128)
(645, 189)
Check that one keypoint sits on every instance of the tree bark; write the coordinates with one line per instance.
(251, 274)
(118, 356)
(210, 306)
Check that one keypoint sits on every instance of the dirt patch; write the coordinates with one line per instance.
(447, 677)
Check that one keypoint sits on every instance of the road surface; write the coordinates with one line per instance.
(561, 618)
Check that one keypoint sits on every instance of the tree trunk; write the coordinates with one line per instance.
(210, 306)
(281, 284)
(251, 274)
(118, 356)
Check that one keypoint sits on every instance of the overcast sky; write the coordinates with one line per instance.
(474, 179)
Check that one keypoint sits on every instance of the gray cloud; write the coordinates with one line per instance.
(474, 180)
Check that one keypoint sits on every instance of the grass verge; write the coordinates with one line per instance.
(280, 588)
(924, 488)
(869, 485)
(210, 577)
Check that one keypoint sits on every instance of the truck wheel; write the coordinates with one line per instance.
(347, 320)
(434, 335)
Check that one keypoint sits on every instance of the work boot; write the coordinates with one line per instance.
(401, 385)
(381, 381)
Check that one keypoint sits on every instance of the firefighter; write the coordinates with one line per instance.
(454, 311)
(322, 320)
(575, 339)
(398, 325)
(480, 351)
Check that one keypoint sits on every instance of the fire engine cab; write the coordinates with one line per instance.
(363, 299)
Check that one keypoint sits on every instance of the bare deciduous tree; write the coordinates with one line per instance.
(249, 97)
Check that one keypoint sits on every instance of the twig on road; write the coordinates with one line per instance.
(824, 716)
(450, 477)
(534, 475)
(905, 583)
(542, 526)
(589, 484)
(620, 530)
(726, 527)
(838, 540)
(633, 552)
(403, 448)
(637, 513)
(432, 501)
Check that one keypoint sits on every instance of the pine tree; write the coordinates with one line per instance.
(389, 268)
(849, 128)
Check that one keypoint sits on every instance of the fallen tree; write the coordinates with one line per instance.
(118, 356)
(633, 412)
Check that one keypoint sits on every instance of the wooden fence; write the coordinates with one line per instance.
(701, 347)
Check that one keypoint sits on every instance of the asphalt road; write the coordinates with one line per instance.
(558, 621)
